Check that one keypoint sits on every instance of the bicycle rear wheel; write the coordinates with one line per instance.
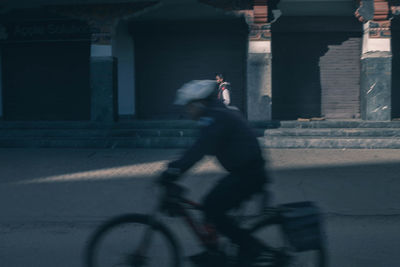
(269, 230)
(132, 240)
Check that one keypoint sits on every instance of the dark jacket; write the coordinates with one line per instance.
(226, 135)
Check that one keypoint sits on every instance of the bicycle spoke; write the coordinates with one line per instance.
(133, 244)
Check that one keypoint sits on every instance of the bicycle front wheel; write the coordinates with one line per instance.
(270, 232)
(132, 240)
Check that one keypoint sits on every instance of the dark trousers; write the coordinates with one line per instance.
(229, 193)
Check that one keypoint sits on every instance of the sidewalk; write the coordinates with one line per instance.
(367, 180)
(52, 199)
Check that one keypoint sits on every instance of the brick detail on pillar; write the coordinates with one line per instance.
(381, 10)
(379, 29)
(260, 32)
(260, 29)
(376, 10)
(260, 11)
(379, 26)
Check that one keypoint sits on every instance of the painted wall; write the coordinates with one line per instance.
(123, 50)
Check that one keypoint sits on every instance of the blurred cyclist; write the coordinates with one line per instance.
(226, 135)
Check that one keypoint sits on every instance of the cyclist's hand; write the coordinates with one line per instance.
(168, 176)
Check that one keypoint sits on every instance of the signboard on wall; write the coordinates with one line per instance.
(55, 30)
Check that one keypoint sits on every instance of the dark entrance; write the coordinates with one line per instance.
(396, 68)
(46, 81)
(316, 71)
(168, 54)
(45, 66)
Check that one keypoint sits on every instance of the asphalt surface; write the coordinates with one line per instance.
(52, 199)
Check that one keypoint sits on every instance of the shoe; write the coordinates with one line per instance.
(209, 259)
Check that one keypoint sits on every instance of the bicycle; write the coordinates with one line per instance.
(297, 231)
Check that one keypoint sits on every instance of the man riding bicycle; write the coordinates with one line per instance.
(226, 135)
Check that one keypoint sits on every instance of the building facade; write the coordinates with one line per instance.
(102, 61)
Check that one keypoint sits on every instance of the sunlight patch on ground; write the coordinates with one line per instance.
(277, 160)
(127, 172)
(141, 170)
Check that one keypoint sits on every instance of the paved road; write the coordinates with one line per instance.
(51, 199)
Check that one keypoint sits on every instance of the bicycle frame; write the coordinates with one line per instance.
(206, 233)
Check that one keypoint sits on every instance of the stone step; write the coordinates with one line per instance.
(329, 142)
(136, 124)
(180, 134)
(333, 132)
(184, 142)
(188, 124)
(105, 133)
(97, 142)
(339, 124)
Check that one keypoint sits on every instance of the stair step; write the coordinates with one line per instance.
(44, 133)
(98, 142)
(334, 132)
(136, 124)
(329, 142)
(184, 142)
(340, 124)
(139, 124)
(181, 134)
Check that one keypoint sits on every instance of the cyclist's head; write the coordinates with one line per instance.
(195, 91)
(195, 95)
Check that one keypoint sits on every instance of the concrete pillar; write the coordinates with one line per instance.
(259, 61)
(259, 86)
(376, 71)
(123, 50)
(103, 75)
